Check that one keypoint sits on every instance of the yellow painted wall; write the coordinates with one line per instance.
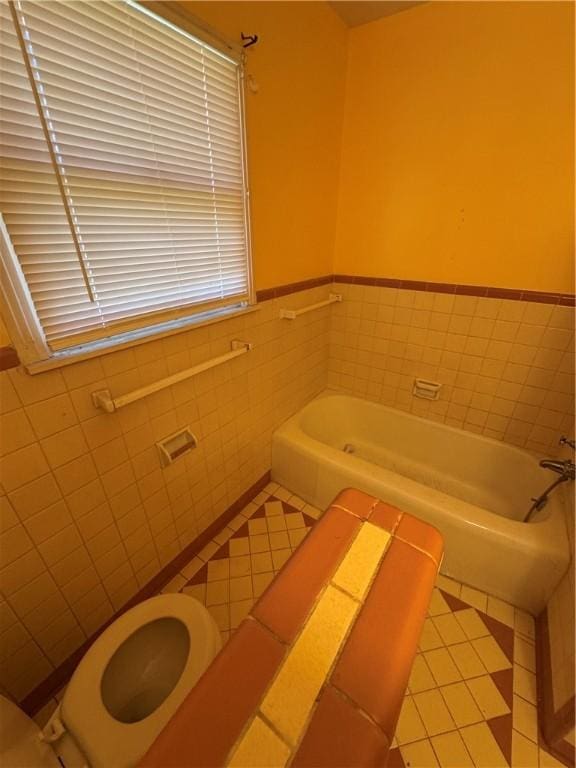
(457, 159)
(294, 130)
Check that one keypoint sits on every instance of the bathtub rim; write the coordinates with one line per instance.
(554, 525)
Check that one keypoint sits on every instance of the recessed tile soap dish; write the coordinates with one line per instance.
(429, 390)
(176, 445)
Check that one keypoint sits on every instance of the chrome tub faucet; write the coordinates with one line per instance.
(563, 467)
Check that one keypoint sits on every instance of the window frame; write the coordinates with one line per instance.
(16, 303)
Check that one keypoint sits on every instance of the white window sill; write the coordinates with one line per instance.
(134, 338)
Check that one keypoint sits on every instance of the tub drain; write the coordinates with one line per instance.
(349, 448)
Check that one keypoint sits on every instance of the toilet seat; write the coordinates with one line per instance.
(105, 740)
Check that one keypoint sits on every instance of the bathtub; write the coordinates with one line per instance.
(475, 490)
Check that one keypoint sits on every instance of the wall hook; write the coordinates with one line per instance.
(252, 40)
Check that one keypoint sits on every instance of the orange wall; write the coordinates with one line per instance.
(294, 128)
(457, 154)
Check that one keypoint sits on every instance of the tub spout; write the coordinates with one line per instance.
(565, 468)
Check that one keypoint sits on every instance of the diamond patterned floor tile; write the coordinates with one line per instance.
(472, 681)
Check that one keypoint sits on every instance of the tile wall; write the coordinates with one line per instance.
(506, 367)
(562, 628)
(87, 515)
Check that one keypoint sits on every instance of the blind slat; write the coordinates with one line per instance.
(146, 131)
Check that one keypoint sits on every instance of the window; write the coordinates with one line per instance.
(123, 185)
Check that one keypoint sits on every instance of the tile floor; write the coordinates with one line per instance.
(472, 692)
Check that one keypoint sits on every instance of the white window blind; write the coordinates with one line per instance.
(123, 183)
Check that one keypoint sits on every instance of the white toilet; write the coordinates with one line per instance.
(123, 692)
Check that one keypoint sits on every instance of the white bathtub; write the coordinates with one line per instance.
(475, 490)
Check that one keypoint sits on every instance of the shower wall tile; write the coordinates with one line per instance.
(506, 367)
(87, 515)
(562, 625)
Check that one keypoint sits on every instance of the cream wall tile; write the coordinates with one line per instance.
(75, 474)
(12, 639)
(52, 415)
(21, 571)
(33, 594)
(56, 630)
(48, 522)
(8, 517)
(15, 431)
(9, 399)
(64, 446)
(43, 614)
(110, 455)
(14, 543)
(96, 618)
(22, 467)
(234, 444)
(101, 429)
(33, 389)
(70, 566)
(85, 594)
(60, 544)
(35, 496)
(496, 341)
(86, 498)
(65, 647)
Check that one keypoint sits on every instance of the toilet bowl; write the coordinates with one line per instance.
(127, 686)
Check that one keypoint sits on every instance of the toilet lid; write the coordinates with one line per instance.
(20, 745)
(106, 740)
